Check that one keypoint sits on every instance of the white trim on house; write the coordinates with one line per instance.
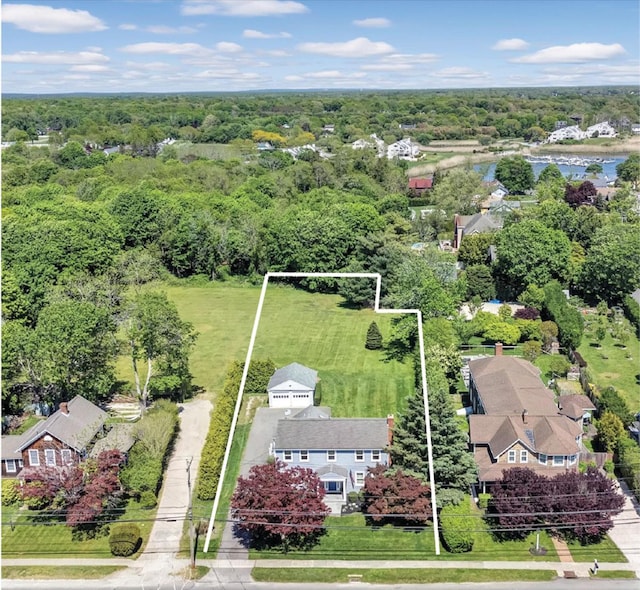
(376, 456)
(10, 466)
(331, 457)
(558, 461)
(34, 458)
(358, 456)
(511, 456)
(524, 456)
(542, 459)
(287, 456)
(359, 478)
(66, 457)
(304, 455)
(50, 457)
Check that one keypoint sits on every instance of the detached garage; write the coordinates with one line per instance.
(292, 386)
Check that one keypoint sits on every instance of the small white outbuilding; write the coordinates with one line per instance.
(292, 386)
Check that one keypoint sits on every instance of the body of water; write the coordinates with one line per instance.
(570, 165)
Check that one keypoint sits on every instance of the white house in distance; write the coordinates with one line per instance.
(292, 386)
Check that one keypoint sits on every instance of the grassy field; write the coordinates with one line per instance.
(29, 538)
(66, 572)
(348, 537)
(610, 364)
(312, 329)
(317, 331)
(605, 550)
(211, 151)
(398, 576)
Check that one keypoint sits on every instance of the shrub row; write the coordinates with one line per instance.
(124, 539)
(629, 462)
(632, 311)
(155, 434)
(568, 319)
(10, 492)
(456, 534)
(610, 400)
(216, 441)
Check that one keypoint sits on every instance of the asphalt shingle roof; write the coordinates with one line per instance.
(335, 434)
(294, 372)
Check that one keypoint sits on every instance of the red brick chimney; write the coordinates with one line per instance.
(498, 351)
(524, 416)
(390, 429)
(64, 407)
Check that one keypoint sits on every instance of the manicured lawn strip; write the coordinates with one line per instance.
(67, 572)
(348, 537)
(316, 331)
(31, 539)
(615, 574)
(398, 576)
(617, 369)
(605, 551)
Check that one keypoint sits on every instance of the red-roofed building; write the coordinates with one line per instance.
(418, 185)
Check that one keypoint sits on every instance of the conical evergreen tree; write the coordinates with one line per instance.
(453, 464)
(374, 337)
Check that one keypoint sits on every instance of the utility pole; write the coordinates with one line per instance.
(192, 546)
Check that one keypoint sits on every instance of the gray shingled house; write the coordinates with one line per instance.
(292, 386)
(516, 422)
(64, 438)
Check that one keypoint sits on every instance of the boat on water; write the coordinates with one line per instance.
(567, 160)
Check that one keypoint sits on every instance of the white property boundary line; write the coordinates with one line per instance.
(245, 371)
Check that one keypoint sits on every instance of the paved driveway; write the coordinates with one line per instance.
(626, 529)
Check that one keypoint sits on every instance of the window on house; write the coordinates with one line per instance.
(542, 459)
(287, 456)
(34, 458)
(50, 457)
(511, 457)
(66, 456)
(304, 455)
(558, 460)
(10, 465)
(524, 457)
(573, 459)
(359, 478)
(359, 455)
(375, 456)
(331, 455)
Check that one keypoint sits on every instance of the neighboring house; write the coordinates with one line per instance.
(339, 450)
(502, 207)
(516, 422)
(62, 439)
(376, 143)
(404, 149)
(577, 407)
(265, 146)
(635, 128)
(480, 223)
(292, 386)
(574, 132)
(328, 128)
(417, 186)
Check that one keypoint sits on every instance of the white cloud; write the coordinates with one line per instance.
(230, 74)
(510, 45)
(576, 53)
(373, 23)
(243, 7)
(152, 65)
(360, 47)
(165, 30)
(457, 73)
(93, 49)
(192, 49)
(293, 78)
(56, 58)
(226, 47)
(90, 68)
(128, 27)
(46, 19)
(253, 34)
(278, 53)
(401, 61)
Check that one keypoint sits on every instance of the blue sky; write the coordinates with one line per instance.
(59, 46)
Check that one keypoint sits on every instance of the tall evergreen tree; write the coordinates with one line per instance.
(453, 464)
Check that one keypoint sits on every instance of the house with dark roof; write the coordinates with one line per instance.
(62, 439)
(516, 422)
(340, 450)
(292, 386)
(480, 223)
(577, 407)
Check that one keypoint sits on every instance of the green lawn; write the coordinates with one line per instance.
(66, 572)
(610, 364)
(398, 576)
(28, 538)
(317, 331)
(605, 551)
(348, 537)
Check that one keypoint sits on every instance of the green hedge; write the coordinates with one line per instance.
(455, 529)
(632, 311)
(156, 432)
(568, 319)
(216, 441)
(124, 539)
(629, 464)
